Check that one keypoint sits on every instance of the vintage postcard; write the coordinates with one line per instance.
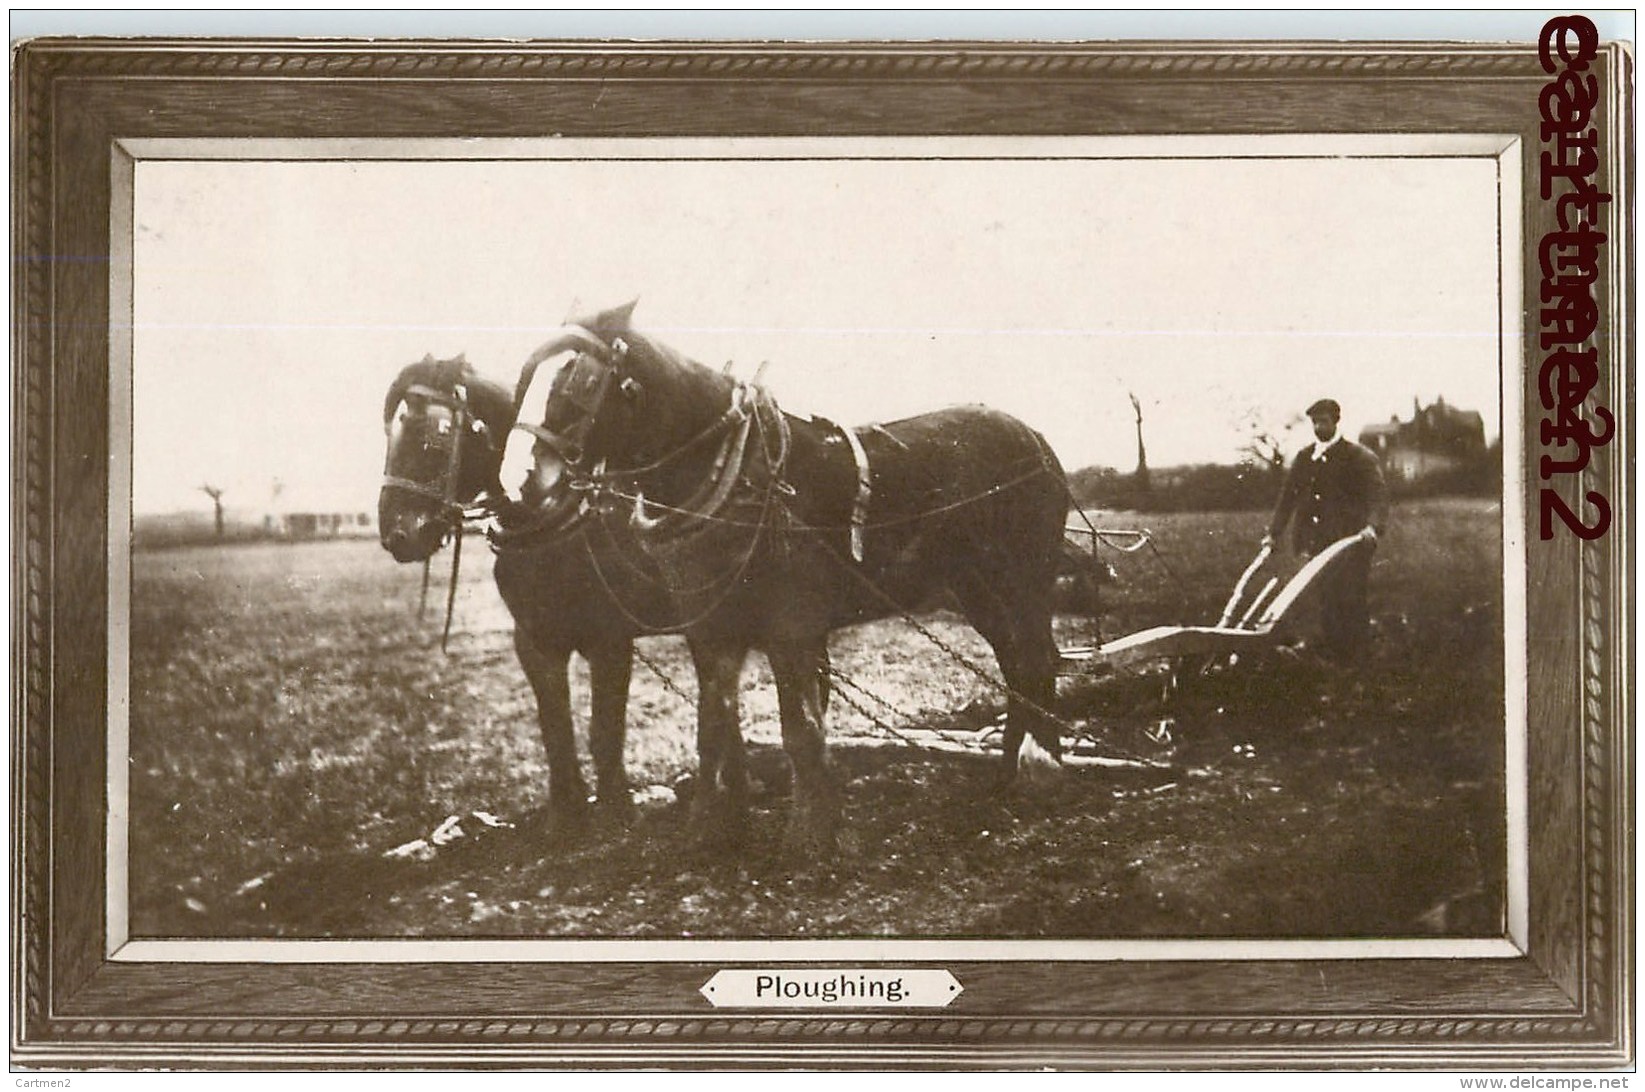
(987, 555)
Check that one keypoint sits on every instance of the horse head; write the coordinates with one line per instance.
(601, 398)
(444, 426)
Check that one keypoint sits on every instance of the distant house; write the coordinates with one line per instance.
(300, 513)
(1438, 437)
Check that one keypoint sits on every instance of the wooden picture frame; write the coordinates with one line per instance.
(1563, 999)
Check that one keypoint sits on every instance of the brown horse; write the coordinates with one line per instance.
(772, 530)
(446, 429)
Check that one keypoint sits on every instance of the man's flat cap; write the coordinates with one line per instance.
(1324, 407)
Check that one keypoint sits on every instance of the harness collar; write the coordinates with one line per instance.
(593, 368)
(865, 484)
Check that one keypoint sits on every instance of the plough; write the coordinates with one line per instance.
(1254, 617)
(1258, 614)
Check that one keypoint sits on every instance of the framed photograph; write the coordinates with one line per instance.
(1090, 556)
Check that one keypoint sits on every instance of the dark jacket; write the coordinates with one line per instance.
(1330, 497)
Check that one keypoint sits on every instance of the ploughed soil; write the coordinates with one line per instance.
(306, 762)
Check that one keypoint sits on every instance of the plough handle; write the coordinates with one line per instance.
(1239, 588)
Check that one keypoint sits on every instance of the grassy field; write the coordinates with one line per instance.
(305, 761)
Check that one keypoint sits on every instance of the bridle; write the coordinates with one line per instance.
(454, 511)
(463, 420)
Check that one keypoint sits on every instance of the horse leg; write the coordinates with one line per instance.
(610, 667)
(800, 668)
(719, 805)
(1026, 651)
(546, 670)
(1034, 678)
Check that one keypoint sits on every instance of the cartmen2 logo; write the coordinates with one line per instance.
(1570, 258)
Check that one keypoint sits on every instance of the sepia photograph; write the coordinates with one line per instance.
(946, 539)
(1018, 555)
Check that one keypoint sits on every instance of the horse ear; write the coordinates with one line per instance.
(611, 320)
(396, 392)
(620, 317)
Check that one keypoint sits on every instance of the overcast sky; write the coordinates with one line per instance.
(275, 300)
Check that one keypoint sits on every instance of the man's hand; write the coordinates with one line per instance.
(1267, 542)
(1369, 534)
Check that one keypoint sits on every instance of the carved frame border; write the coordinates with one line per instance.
(1567, 1002)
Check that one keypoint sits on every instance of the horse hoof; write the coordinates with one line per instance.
(1035, 764)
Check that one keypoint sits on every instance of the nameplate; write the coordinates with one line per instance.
(832, 988)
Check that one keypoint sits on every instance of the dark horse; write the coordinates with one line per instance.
(771, 530)
(446, 431)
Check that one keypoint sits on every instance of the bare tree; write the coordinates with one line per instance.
(216, 495)
(1264, 449)
(1142, 451)
(1264, 443)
